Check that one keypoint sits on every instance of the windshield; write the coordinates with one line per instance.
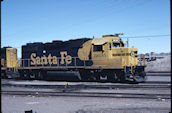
(116, 44)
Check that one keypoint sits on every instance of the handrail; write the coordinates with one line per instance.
(141, 60)
(75, 62)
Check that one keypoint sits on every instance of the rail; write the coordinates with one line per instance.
(90, 94)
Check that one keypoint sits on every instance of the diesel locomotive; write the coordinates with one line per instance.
(9, 62)
(85, 59)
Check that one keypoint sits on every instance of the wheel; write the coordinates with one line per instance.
(36, 75)
(43, 75)
(24, 74)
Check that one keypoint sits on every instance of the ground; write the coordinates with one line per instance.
(19, 104)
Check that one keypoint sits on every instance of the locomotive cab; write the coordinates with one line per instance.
(109, 52)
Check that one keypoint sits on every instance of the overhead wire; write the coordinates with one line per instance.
(147, 36)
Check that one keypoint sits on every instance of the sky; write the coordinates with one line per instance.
(25, 21)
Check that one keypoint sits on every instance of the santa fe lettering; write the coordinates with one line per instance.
(36, 60)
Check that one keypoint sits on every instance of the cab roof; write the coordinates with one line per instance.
(104, 39)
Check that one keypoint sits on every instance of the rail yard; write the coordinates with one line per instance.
(85, 56)
(84, 76)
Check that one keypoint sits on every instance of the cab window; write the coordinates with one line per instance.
(116, 44)
(98, 48)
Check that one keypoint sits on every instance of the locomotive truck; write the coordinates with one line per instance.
(84, 59)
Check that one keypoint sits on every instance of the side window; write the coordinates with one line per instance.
(135, 53)
(109, 45)
(98, 48)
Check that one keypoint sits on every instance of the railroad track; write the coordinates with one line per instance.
(158, 82)
(159, 74)
(89, 94)
(84, 86)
